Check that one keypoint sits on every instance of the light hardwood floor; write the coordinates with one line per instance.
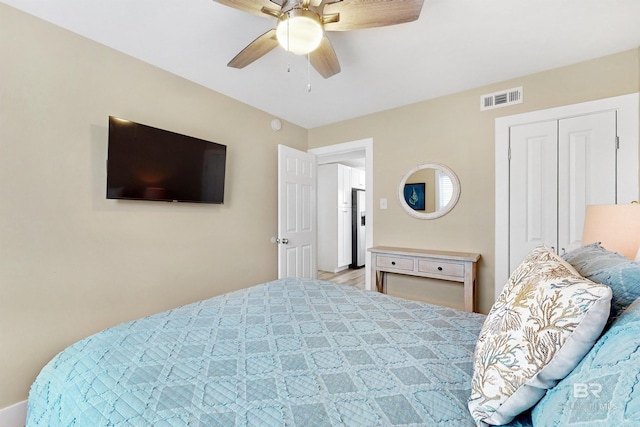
(353, 277)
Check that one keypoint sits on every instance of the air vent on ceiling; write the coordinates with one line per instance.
(501, 99)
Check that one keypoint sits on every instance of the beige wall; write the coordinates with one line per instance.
(72, 262)
(451, 130)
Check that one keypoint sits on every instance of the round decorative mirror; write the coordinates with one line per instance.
(429, 191)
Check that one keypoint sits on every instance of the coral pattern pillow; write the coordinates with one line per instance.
(540, 327)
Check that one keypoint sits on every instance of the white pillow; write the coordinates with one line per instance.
(540, 327)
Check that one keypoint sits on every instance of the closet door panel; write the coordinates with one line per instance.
(532, 189)
(586, 173)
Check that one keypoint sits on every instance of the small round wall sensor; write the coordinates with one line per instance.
(276, 124)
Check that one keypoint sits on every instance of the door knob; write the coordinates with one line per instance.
(277, 240)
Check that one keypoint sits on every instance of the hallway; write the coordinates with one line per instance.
(352, 277)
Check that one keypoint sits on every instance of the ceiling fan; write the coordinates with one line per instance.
(302, 25)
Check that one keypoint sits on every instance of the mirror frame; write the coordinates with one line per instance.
(431, 215)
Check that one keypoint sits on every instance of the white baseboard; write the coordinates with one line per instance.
(14, 415)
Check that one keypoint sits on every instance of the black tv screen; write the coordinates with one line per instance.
(146, 163)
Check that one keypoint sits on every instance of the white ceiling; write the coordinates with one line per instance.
(454, 46)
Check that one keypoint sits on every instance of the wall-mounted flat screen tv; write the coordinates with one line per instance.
(146, 163)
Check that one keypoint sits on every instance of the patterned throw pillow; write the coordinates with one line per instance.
(609, 268)
(540, 327)
(603, 389)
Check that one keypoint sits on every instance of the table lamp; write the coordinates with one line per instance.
(616, 227)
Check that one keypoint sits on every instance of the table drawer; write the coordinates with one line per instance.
(397, 263)
(444, 268)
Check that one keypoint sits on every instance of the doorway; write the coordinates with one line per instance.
(358, 152)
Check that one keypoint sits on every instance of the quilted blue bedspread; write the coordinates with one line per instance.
(292, 352)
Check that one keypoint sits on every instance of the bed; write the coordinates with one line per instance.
(291, 352)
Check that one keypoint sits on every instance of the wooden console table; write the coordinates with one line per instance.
(443, 265)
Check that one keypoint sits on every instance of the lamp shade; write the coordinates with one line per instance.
(616, 227)
(299, 31)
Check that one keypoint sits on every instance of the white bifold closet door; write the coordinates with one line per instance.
(556, 169)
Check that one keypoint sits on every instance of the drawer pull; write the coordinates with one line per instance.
(439, 268)
(393, 263)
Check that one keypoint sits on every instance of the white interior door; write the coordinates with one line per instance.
(297, 186)
(556, 169)
(587, 175)
(627, 109)
(533, 189)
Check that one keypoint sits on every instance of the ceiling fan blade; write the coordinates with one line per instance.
(252, 6)
(256, 49)
(359, 14)
(324, 59)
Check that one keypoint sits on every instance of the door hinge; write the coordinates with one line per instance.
(509, 153)
(617, 142)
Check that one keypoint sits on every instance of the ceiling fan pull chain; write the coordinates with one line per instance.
(309, 72)
(288, 62)
(288, 41)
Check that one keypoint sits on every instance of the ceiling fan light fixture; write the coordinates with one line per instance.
(299, 31)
